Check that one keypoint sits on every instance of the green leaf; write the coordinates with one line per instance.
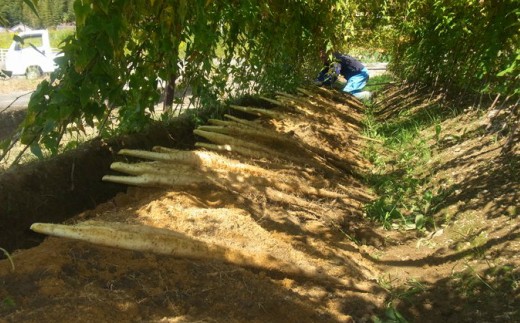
(4, 144)
(428, 195)
(104, 5)
(85, 93)
(36, 150)
(81, 9)
(376, 319)
(438, 129)
(32, 5)
(508, 70)
(420, 221)
(395, 316)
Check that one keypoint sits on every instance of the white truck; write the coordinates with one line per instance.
(31, 57)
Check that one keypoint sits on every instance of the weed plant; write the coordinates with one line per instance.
(497, 282)
(378, 83)
(398, 157)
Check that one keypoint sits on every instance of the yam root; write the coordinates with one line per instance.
(248, 123)
(267, 135)
(250, 149)
(224, 123)
(258, 112)
(166, 242)
(273, 101)
(229, 140)
(163, 174)
(148, 168)
(155, 180)
(231, 148)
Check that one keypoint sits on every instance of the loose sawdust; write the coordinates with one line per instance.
(65, 280)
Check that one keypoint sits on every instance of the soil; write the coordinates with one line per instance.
(9, 121)
(297, 197)
(12, 113)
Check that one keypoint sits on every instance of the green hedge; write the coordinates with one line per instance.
(459, 45)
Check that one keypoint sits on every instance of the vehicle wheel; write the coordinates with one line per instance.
(33, 72)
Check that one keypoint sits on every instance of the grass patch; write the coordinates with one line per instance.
(397, 163)
(378, 83)
(393, 178)
(7, 303)
(401, 174)
(6, 39)
(397, 294)
(497, 284)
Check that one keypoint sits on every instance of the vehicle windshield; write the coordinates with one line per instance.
(35, 40)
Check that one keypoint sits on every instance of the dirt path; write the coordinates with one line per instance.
(293, 198)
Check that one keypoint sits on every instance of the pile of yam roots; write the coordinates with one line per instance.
(241, 155)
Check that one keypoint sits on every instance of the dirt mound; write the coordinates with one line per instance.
(298, 201)
(61, 187)
(283, 192)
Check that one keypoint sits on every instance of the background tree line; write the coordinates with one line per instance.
(225, 49)
(51, 13)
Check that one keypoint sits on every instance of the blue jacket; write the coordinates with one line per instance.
(349, 65)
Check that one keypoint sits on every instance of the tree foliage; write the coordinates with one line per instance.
(462, 46)
(50, 13)
(219, 49)
(223, 49)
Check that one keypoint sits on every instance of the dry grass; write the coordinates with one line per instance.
(18, 84)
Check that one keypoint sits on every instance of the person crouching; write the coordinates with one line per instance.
(347, 66)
